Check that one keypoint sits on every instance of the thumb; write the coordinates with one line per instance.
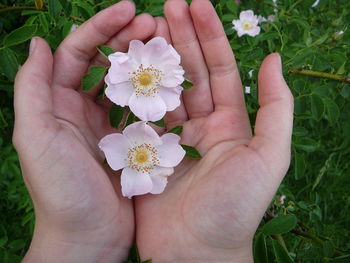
(33, 94)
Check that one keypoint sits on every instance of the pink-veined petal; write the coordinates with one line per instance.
(245, 15)
(135, 183)
(170, 152)
(119, 93)
(153, 51)
(171, 97)
(254, 32)
(147, 108)
(140, 132)
(115, 147)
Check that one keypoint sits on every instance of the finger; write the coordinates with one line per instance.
(179, 115)
(198, 100)
(74, 54)
(274, 122)
(225, 81)
(141, 28)
(33, 94)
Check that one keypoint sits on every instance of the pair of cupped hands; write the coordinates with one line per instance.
(211, 206)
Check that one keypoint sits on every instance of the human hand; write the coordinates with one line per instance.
(211, 207)
(80, 213)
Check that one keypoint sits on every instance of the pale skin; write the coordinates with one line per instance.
(210, 208)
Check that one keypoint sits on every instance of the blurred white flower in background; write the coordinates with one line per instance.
(247, 24)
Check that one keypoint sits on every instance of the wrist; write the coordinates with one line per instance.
(56, 246)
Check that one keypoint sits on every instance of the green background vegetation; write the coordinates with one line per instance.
(312, 225)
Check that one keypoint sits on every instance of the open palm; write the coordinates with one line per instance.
(57, 130)
(212, 207)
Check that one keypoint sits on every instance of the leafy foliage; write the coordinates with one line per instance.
(312, 223)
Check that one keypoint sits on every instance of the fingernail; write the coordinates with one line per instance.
(32, 45)
(280, 62)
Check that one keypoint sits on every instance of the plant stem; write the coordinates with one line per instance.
(18, 8)
(316, 240)
(320, 75)
(280, 240)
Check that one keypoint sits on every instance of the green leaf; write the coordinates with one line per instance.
(280, 225)
(105, 50)
(333, 112)
(280, 253)
(159, 123)
(85, 9)
(317, 106)
(191, 152)
(134, 255)
(19, 35)
(232, 6)
(67, 7)
(43, 22)
(321, 40)
(54, 8)
(260, 249)
(116, 114)
(299, 165)
(187, 84)
(8, 63)
(306, 144)
(95, 75)
(177, 130)
(3, 122)
(342, 259)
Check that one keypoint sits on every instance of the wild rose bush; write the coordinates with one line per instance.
(311, 208)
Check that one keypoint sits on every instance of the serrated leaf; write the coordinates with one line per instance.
(105, 50)
(8, 63)
(177, 130)
(191, 152)
(306, 144)
(317, 106)
(39, 4)
(281, 254)
(19, 35)
(67, 7)
(116, 114)
(187, 84)
(95, 76)
(55, 8)
(260, 249)
(280, 225)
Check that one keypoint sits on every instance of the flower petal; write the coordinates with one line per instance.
(170, 153)
(115, 147)
(173, 76)
(254, 31)
(159, 178)
(153, 51)
(136, 50)
(171, 97)
(121, 66)
(147, 108)
(140, 132)
(119, 93)
(245, 15)
(135, 183)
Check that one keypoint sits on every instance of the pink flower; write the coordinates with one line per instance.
(146, 159)
(147, 79)
(247, 24)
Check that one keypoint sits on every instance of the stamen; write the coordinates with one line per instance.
(142, 158)
(146, 81)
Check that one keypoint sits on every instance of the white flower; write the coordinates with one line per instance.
(250, 73)
(147, 79)
(146, 159)
(261, 19)
(74, 28)
(247, 90)
(315, 3)
(271, 18)
(247, 24)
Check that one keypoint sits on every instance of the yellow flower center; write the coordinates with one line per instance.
(146, 81)
(142, 158)
(247, 26)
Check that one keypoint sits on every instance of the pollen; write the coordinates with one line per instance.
(146, 80)
(142, 158)
(247, 26)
